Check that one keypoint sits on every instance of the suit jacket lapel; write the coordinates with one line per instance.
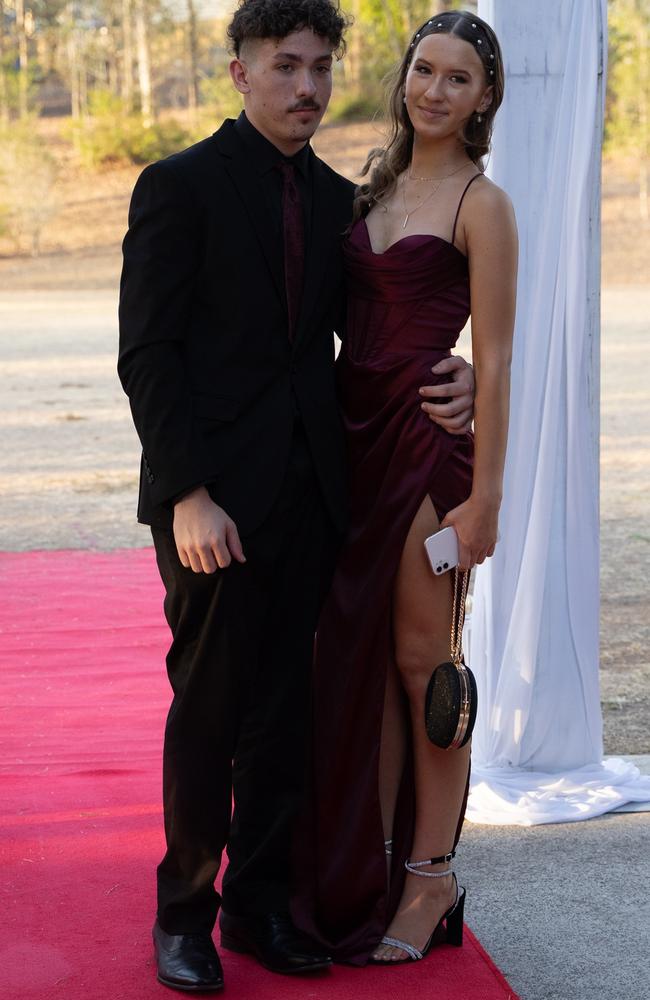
(247, 182)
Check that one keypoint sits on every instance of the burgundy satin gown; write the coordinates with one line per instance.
(406, 309)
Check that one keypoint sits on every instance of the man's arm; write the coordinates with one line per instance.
(156, 298)
(455, 416)
(160, 251)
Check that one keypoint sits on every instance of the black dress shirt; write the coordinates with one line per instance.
(266, 157)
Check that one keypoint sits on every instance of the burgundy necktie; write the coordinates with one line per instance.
(294, 243)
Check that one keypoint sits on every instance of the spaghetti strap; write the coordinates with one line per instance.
(467, 187)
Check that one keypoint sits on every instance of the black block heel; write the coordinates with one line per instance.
(454, 921)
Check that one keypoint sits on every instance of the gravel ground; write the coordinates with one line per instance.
(70, 457)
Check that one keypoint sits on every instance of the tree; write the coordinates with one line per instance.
(4, 92)
(628, 98)
(128, 60)
(23, 58)
(193, 57)
(144, 63)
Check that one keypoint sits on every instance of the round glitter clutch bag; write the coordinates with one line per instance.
(451, 698)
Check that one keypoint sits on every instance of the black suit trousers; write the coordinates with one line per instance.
(240, 669)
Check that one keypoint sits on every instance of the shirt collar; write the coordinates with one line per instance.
(265, 155)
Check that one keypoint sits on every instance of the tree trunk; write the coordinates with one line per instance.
(144, 64)
(4, 98)
(73, 63)
(354, 54)
(127, 54)
(193, 52)
(644, 120)
(22, 58)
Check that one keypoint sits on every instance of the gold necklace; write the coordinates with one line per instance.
(412, 178)
(409, 213)
(417, 207)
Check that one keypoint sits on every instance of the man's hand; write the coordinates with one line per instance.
(204, 534)
(455, 416)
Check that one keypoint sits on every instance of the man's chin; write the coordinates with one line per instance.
(302, 125)
(303, 131)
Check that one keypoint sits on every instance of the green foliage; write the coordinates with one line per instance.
(355, 107)
(12, 85)
(219, 97)
(627, 123)
(161, 139)
(111, 135)
(386, 26)
(27, 184)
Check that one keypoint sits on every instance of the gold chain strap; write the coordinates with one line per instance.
(458, 617)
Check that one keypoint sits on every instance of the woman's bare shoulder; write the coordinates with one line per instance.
(486, 204)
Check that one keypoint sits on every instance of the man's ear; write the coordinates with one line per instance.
(239, 76)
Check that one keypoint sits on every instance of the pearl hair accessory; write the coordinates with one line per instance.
(439, 24)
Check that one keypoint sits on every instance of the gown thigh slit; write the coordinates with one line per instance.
(406, 309)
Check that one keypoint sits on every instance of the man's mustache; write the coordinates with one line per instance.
(306, 106)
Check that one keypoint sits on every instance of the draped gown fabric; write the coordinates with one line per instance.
(537, 752)
(406, 308)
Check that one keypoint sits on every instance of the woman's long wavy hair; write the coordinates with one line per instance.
(390, 160)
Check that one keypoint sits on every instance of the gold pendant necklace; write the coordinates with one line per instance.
(412, 211)
(409, 176)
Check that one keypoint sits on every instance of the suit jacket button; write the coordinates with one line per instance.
(151, 479)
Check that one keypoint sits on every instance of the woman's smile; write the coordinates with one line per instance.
(432, 112)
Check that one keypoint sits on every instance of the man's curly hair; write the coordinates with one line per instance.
(279, 18)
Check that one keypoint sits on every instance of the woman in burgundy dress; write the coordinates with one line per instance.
(430, 234)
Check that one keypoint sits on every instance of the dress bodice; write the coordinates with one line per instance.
(413, 297)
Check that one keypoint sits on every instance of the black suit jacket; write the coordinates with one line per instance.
(212, 379)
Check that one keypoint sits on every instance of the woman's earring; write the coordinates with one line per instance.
(479, 118)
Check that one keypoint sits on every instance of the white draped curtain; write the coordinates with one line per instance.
(533, 643)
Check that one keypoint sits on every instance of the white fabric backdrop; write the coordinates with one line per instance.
(533, 644)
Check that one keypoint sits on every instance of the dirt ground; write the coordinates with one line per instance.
(69, 461)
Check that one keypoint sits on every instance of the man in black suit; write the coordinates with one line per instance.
(231, 289)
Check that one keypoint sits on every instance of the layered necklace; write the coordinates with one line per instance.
(438, 181)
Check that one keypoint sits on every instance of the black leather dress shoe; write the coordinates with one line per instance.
(274, 941)
(187, 961)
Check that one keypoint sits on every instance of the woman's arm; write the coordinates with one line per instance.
(491, 238)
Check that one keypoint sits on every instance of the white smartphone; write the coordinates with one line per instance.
(442, 550)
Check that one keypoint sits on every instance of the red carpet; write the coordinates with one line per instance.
(84, 700)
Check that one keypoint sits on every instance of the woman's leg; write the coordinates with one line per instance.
(422, 608)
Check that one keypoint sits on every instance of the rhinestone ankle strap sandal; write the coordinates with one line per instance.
(452, 918)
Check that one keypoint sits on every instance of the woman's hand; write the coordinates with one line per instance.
(476, 524)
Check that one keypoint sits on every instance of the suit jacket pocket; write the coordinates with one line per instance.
(209, 407)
